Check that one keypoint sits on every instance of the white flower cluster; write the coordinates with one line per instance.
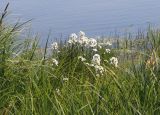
(96, 61)
(108, 51)
(82, 40)
(55, 62)
(114, 61)
(99, 69)
(54, 46)
(65, 79)
(73, 38)
(81, 58)
(90, 43)
(58, 91)
(95, 50)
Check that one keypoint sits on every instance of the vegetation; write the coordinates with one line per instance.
(82, 76)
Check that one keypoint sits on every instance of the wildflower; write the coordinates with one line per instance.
(100, 47)
(92, 42)
(109, 43)
(81, 34)
(108, 51)
(96, 59)
(114, 61)
(58, 91)
(99, 69)
(95, 50)
(55, 62)
(54, 45)
(83, 40)
(81, 58)
(73, 38)
(106, 61)
(89, 64)
(65, 79)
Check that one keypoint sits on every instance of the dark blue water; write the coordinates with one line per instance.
(95, 17)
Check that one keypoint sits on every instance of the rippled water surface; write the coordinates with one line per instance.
(95, 17)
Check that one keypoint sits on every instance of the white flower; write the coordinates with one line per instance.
(65, 79)
(95, 50)
(81, 58)
(83, 40)
(73, 35)
(81, 34)
(96, 59)
(108, 51)
(99, 69)
(54, 45)
(92, 42)
(58, 91)
(55, 62)
(73, 38)
(109, 43)
(100, 46)
(89, 64)
(114, 61)
(106, 61)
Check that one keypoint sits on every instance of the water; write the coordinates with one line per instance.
(95, 17)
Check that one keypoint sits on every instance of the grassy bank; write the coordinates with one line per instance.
(82, 76)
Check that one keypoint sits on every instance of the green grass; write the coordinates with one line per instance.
(31, 84)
